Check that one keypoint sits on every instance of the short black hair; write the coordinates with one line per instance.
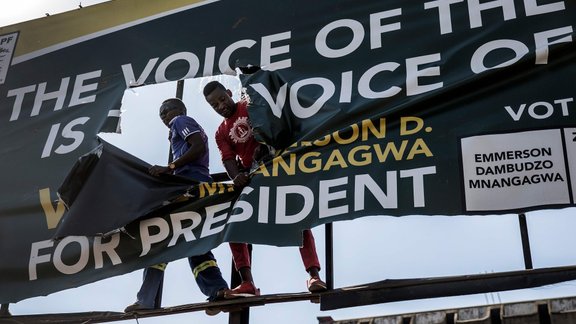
(211, 86)
(172, 103)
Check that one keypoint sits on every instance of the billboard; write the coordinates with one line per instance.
(379, 108)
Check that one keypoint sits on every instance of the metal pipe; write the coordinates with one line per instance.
(525, 241)
(329, 238)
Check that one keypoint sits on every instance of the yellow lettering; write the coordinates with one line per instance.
(404, 130)
(315, 165)
(209, 188)
(262, 170)
(352, 138)
(419, 147)
(323, 141)
(366, 156)
(52, 215)
(289, 169)
(368, 126)
(335, 158)
(390, 147)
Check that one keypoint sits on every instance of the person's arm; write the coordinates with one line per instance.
(240, 179)
(195, 151)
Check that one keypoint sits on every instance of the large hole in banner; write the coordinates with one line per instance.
(145, 136)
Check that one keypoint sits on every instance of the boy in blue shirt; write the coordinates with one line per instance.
(189, 146)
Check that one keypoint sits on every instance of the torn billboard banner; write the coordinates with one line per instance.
(379, 108)
(109, 188)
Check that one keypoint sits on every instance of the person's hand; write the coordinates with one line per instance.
(262, 154)
(258, 152)
(158, 170)
(241, 180)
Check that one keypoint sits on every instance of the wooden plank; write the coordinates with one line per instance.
(103, 317)
(420, 288)
(378, 292)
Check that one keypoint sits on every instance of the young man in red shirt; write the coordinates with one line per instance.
(237, 146)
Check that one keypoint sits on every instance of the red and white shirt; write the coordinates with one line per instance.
(234, 137)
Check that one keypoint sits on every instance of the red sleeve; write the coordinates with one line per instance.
(224, 145)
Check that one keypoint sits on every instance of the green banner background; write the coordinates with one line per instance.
(455, 68)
